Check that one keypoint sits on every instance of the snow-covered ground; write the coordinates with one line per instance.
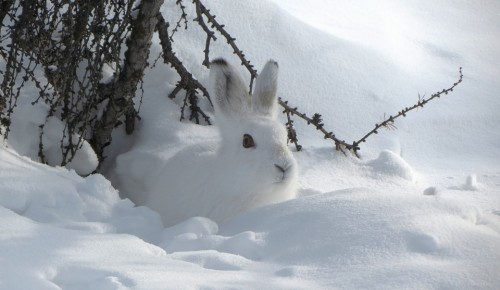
(419, 210)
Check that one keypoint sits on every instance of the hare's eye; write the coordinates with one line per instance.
(248, 141)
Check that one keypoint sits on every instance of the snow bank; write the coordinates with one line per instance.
(25, 137)
(56, 196)
(61, 231)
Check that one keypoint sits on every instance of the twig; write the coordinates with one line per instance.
(318, 123)
(420, 104)
(292, 134)
(202, 10)
(182, 18)
(187, 82)
(210, 33)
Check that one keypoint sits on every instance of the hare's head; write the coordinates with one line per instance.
(254, 143)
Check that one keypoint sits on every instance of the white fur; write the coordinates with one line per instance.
(227, 178)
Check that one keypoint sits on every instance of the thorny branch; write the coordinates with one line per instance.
(187, 82)
(289, 111)
(341, 145)
(182, 19)
(388, 122)
(317, 122)
(201, 11)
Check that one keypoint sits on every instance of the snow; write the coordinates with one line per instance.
(419, 210)
(25, 137)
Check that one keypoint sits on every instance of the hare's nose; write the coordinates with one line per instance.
(280, 168)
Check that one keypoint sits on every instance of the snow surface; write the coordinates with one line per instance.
(25, 137)
(419, 210)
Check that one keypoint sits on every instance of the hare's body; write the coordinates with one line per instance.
(249, 167)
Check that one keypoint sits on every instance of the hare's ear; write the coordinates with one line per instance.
(228, 89)
(264, 95)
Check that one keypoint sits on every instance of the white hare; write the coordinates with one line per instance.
(250, 167)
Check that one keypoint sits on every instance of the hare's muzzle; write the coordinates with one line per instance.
(282, 170)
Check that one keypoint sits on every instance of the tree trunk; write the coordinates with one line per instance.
(122, 91)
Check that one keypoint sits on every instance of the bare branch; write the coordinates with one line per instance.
(388, 122)
(201, 11)
(317, 122)
(292, 134)
(182, 19)
(187, 82)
